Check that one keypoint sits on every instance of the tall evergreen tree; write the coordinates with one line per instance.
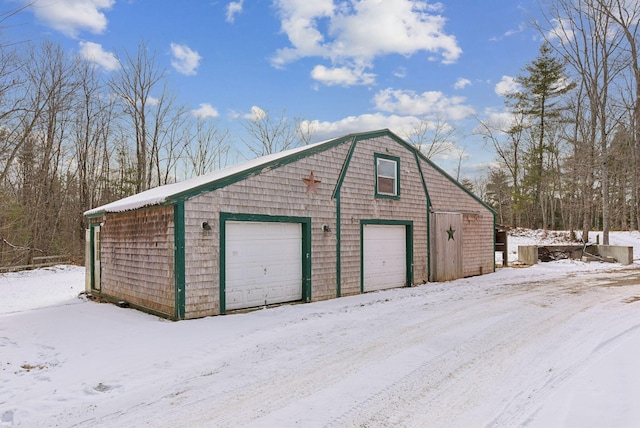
(539, 100)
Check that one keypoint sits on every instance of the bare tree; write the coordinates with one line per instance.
(461, 154)
(267, 135)
(209, 149)
(590, 43)
(91, 134)
(52, 83)
(134, 85)
(305, 130)
(626, 14)
(432, 137)
(169, 137)
(12, 100)
(508, 141)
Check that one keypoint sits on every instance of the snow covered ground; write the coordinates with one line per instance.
(554, 345)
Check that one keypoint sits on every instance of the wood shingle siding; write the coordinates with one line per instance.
(156, 254)
(358, 202)
(276, 192)
(478, 221)
(137, 259)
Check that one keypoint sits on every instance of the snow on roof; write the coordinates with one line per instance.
(162, 194)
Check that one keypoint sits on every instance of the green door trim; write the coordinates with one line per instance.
(92, 261)
(408, 242)
(305, 222)
(179, 260)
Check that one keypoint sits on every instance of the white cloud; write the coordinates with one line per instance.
(95, 53)
(341, 76)
(353, 33)
(204, 111)
(461, 83)
(299, 20)
(233, 8)
(506, 86)
(510, 32)
(562, 30)
(499, 121)
(72, 16)
(427, 103)
(400, 72)
(185, 60)
(256, 113)
(152, 101)
(365, 122)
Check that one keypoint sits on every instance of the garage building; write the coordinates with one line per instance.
(355, 214)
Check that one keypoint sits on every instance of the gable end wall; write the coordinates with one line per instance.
(358, 202)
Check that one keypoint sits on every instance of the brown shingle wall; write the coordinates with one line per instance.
(478, 227)
(358, 202)
(137, 258)
(138, 248)
(276, 192)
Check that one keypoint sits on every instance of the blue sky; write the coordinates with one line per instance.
(345, 66)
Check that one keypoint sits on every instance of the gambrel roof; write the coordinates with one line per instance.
(171, 193)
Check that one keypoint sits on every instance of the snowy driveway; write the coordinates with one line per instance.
(552, 345)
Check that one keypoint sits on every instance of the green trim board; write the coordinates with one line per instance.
(396, 159)
(336, 196)
(338, 250)
(306, 249)
(494, 242)
(92, 261)
(179, 260)
(297, 155)
(454, 181)
(242, 175)
(428, 216)
(177, 202)
(345, 167)
(408, 242)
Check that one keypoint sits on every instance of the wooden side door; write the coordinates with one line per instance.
(446, 246)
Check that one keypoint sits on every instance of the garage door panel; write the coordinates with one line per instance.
(384, 257)
(263, 263)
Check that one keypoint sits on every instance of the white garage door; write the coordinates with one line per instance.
(384, 256)
(263, 263)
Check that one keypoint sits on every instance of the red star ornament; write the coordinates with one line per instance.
(312, 183)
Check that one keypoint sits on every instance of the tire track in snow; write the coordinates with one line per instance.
(455, 370)
(275, 393)
(459, 353)
(233, 405)
(328, 368)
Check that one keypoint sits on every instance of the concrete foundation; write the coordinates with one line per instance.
(622, 255)
(530, 254)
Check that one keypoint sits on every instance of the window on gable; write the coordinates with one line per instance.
(387, 176)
